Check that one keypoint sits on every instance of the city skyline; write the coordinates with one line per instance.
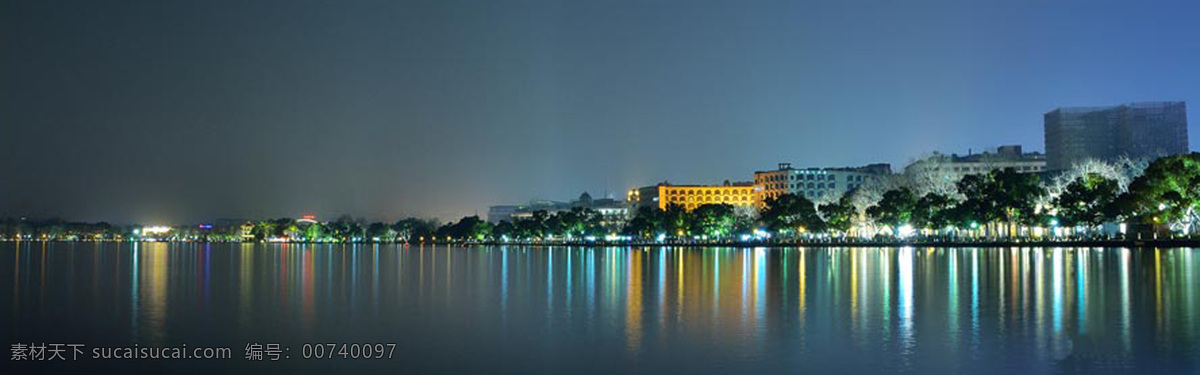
(134, 112)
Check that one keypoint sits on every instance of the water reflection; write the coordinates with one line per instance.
(705, 310)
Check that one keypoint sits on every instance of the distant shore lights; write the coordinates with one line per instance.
(152, 230)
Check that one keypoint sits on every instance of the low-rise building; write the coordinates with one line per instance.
(247, 231)
(817, 184)
(500, 213)
(955, 166)
(691, 196)
(613, 213)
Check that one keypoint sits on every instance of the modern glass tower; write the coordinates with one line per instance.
(1135, 130)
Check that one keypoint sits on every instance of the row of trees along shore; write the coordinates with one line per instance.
(1093, 200)
(925, 202)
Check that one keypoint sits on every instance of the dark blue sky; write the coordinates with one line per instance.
(179, 111)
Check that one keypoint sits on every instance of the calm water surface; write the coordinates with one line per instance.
(483, 310)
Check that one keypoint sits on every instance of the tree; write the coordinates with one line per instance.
(934, 211)
(1167, 193)
(648, 222)
(977, 193)
(381, 232)
(293, 232)
(1087, 200)
(591, 221)
(504, 230)
(554, 226)
(790, 213)
(413, 229)
(930, 175)
(263, 229)
(839, 216)
(533, 227)
(714, 220)
(1002, 195)
(895, 210)
(345, 229)
(677, 221)
(1123, 171)
(576, 223)
(743, 223)
(471, 228)
(314, 232)
(280, 226)
(1018, 195)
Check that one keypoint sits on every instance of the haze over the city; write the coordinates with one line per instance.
(175, 112)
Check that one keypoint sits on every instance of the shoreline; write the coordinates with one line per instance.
(935, 244)
(1153, 243)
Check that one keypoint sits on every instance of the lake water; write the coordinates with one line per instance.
(561, 310)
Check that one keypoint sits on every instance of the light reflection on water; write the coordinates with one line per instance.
(602, 310)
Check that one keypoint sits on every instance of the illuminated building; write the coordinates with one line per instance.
(248, 231)
(613, 213)
(816, 184)
(500, 213)
(307, 219)
(691, 196)
(954, 167)
(155, 230)
(1134, 130)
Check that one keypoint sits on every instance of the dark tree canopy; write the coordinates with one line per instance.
(935, 211)
(1001, 195)
(1168, 191)
(714, 220)
(1087, 200)
(789, 213)
(839, 216)
(895, 209)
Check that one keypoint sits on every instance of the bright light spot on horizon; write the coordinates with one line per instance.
(761, 234)
(906, 231)
(155, 230)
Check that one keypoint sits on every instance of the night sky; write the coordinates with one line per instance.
(182, 111)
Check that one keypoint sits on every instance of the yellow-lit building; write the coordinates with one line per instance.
(248, 231)
(691, 196)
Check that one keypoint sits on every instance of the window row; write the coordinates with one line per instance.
(1026, 168)
(727, 198)
(811, 177)
(709, 192)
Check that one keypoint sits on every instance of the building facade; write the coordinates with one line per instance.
(737, 194)
(613, 213)
(1135, 130)
(816, 184)
(500, 213)
(955, 166)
